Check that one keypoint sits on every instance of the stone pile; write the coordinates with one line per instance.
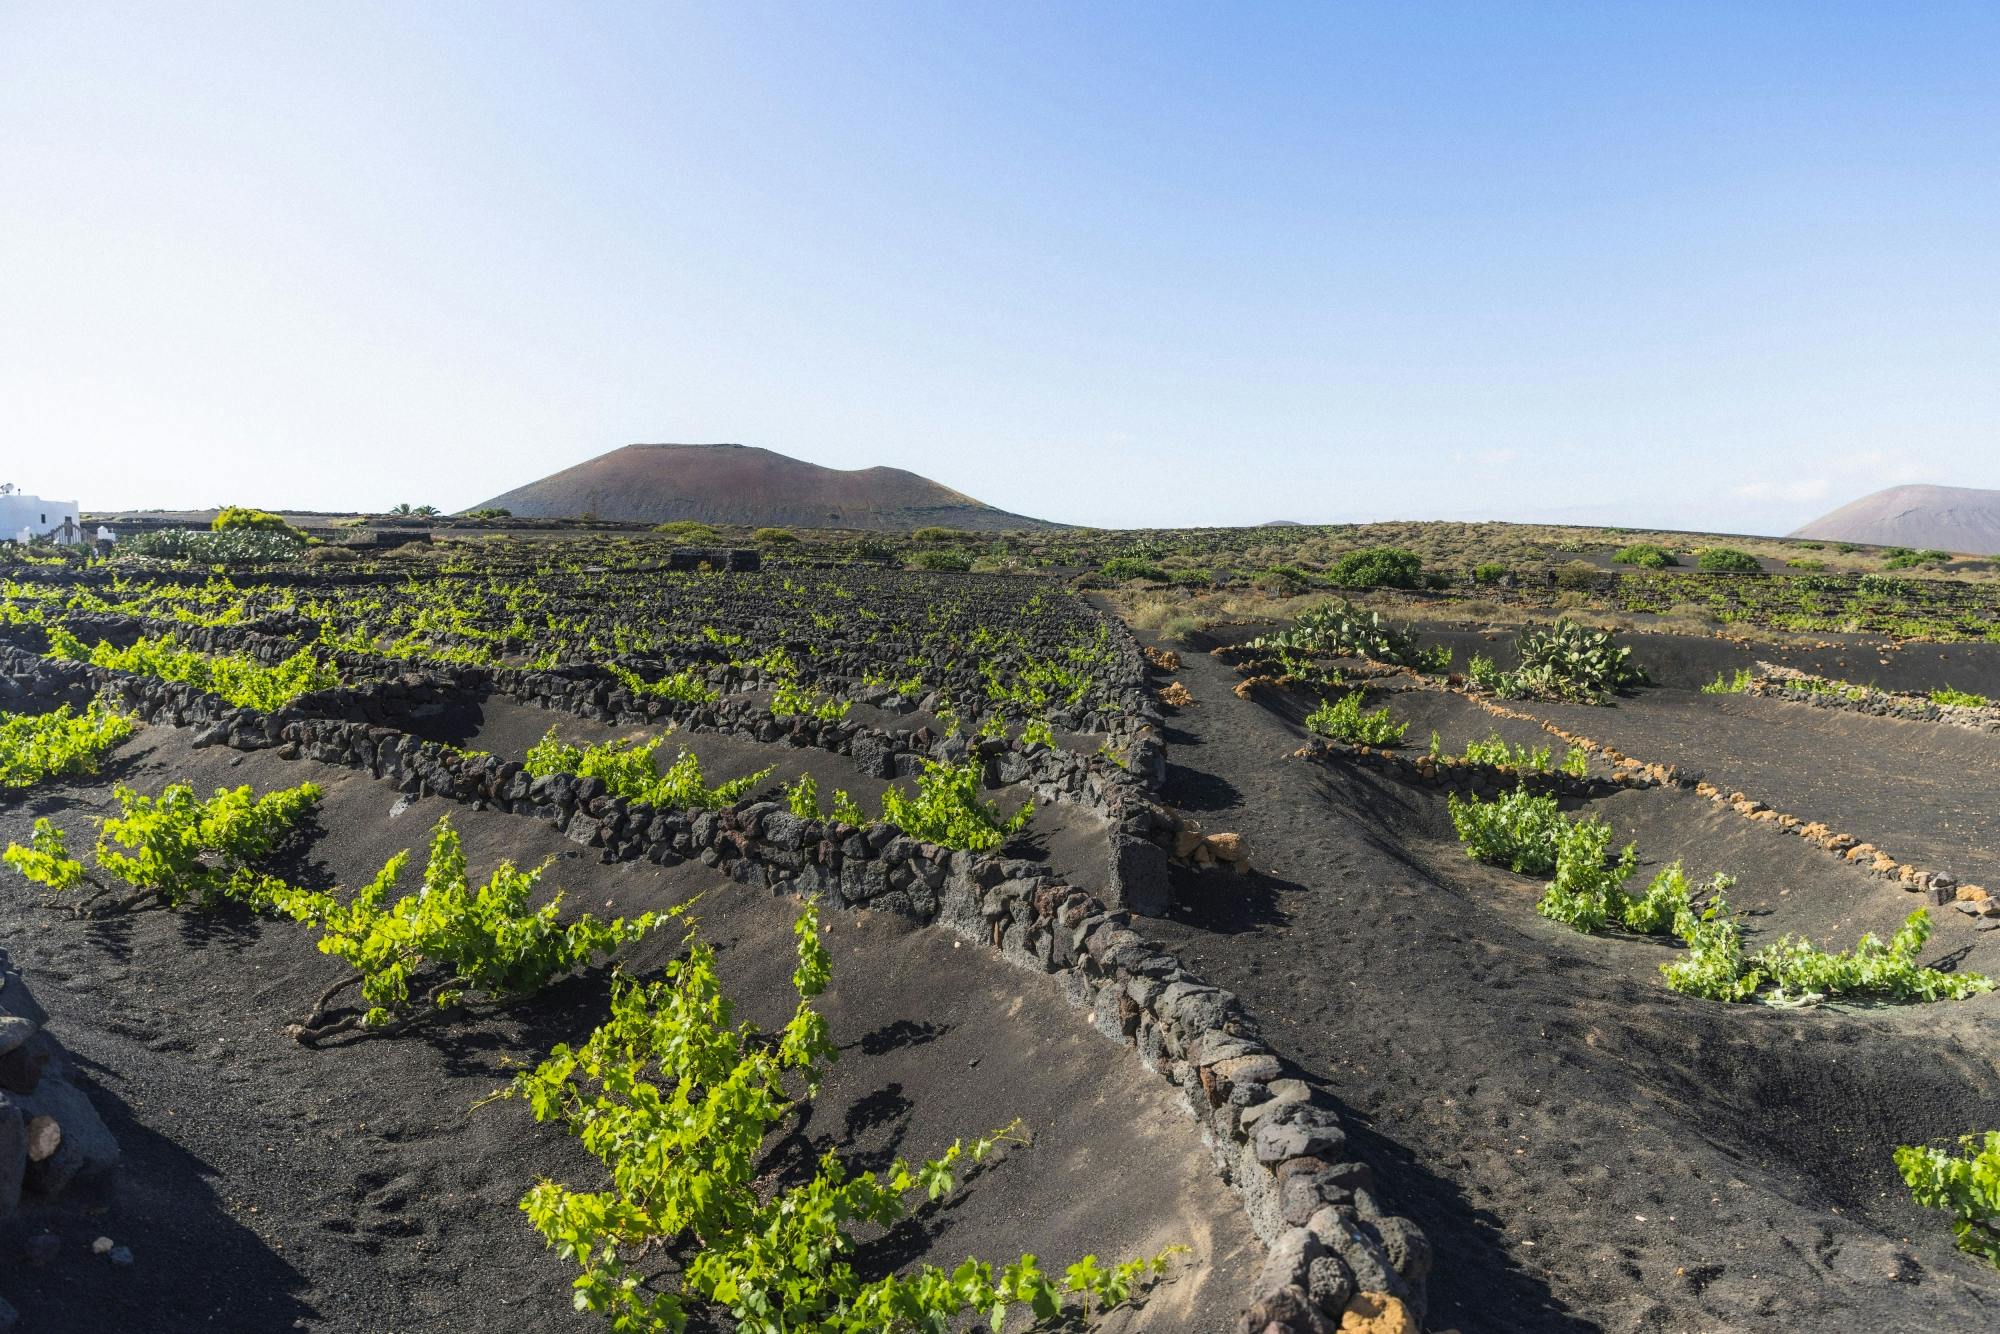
(50, 1136)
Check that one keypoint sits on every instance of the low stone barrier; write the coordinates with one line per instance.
(1774, 682)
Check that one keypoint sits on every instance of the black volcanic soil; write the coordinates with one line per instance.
(1585, 1149)
(268, 1186)
(1927, 793)
(1783, 882)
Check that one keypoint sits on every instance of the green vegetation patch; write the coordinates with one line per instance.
(1344, 720)
(1965, 1185)
(630, 770)
(1793, 971)
(36, 748)
(454, 936)
(1727, 560)
(1645, 555)
(1377, 567)
(176, 849)
(238, 678)
(677, 1101)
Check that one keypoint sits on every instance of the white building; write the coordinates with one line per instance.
(24, 518)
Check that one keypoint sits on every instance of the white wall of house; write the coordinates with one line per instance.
(23, 518)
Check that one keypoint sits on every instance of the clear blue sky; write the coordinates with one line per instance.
(1135, 264)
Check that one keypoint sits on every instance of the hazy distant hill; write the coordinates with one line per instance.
(741, 484)
(1961, 519)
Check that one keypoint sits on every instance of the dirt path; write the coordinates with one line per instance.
(1586, 1150)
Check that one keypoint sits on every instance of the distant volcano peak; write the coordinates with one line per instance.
(746, 484)
(1960, 519)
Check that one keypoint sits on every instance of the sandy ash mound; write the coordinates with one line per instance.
(1952, 518)
(741, 484)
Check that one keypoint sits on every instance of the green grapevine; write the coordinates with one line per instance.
(175, 849)
(629, 770)
(1965, 1185)
(481, 939)
(676, 1100)
(37, 747)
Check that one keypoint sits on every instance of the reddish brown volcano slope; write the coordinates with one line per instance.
(741, 484)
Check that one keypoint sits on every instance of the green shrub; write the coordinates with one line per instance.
(1963, 699)
(775, 537)
(685, 686)
(691, 532)
(948, 810)
(1645, 555)
(1967, 1186)
(941, 559)
(793, 700)
(1571, 662)
(1495, 751)
(1667, 896)
(1488, 573)
(1902, 558)
(236, 517)
(1378, 567)
(1345, 721)
(679, 1103)
(37, 747)
(1727, 560)
(1713, 966)
(1810, 564)
(934, 533)
(490, 512)
(1124, 569)
(1588, 890)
